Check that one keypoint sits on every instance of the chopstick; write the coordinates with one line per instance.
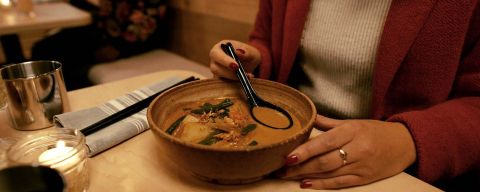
(128, 111)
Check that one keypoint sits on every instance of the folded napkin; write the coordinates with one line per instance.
(119, 131)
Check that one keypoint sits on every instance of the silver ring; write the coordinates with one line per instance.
(343, 155)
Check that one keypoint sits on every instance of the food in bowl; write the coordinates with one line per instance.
(227, 165)
(224, 122)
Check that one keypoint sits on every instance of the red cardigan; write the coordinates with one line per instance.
(427, 74)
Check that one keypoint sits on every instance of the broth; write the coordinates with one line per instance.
(224, 122)
(271, 117)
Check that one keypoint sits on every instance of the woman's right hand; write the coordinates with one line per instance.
(223, 65)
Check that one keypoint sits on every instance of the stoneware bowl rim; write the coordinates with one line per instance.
(159, 132)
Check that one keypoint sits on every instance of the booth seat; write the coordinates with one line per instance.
(152, 61)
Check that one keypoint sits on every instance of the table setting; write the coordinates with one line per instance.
(129, 153)
(59, 139)
(105, 137)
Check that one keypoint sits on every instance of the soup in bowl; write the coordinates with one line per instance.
(205, 127)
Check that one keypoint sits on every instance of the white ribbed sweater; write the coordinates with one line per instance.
(337, 52)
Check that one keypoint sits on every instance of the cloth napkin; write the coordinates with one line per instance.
(119, 131)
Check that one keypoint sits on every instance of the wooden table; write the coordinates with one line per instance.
(46, 16)
(137, 165)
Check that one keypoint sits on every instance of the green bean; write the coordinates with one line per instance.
(211, 139)
(174, 125)
(207, 107)
(253, 143)
(247, 129)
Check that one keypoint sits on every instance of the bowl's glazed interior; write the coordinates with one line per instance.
(227, 165)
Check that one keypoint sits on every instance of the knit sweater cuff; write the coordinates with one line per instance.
(265, 68)
(444, 138)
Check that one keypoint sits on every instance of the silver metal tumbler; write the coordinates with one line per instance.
(36, 92)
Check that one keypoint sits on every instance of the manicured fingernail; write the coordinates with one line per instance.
(241, 51)
(234, 66)
(292, 159)
(306, 184)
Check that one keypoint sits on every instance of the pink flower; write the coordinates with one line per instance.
(129, 36)
(150, 24)
(137, 16)
(131, 33)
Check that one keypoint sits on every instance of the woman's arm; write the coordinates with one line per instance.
(260, 37)
(447, 136)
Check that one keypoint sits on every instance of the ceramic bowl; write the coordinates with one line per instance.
(223, 165)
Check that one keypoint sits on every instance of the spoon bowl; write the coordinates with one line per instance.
(254, 101)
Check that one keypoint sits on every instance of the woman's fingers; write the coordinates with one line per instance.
(323, 143)
(352, 168)
(224, 66)
(217, 56)
(339, 178)
(332, 183)
(220, 71)
(221, 64)
(325, 123)
(372, 150)
(320, 164)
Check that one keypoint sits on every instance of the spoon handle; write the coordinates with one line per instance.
(242, 76)
(253, 99)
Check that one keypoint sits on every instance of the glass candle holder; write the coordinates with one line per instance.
(62, 149)
(6, 5)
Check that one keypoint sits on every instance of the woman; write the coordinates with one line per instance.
(406, 75)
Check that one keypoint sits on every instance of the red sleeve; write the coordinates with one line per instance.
(261, 37)
(447, 136)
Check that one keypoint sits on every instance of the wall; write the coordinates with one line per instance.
(198, 24)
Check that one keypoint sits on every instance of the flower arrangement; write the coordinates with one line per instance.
(130, 20)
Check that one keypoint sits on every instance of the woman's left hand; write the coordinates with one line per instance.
(350, 153)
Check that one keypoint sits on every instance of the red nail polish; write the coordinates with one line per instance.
(241, 51)
(234, 66)
(306, 184)
(292, 159)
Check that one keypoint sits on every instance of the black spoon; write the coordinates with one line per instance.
(253, 99)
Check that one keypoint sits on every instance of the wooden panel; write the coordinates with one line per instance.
(196, 26)
(235, 10)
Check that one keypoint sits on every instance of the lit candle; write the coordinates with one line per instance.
(5, 4)
(60, 151)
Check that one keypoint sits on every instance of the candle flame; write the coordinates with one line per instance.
(60, 144)
(5, 3)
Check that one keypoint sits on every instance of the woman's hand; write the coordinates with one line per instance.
(223, 65)
(373, 150)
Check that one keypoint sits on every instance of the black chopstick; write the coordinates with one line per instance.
(128, 111)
